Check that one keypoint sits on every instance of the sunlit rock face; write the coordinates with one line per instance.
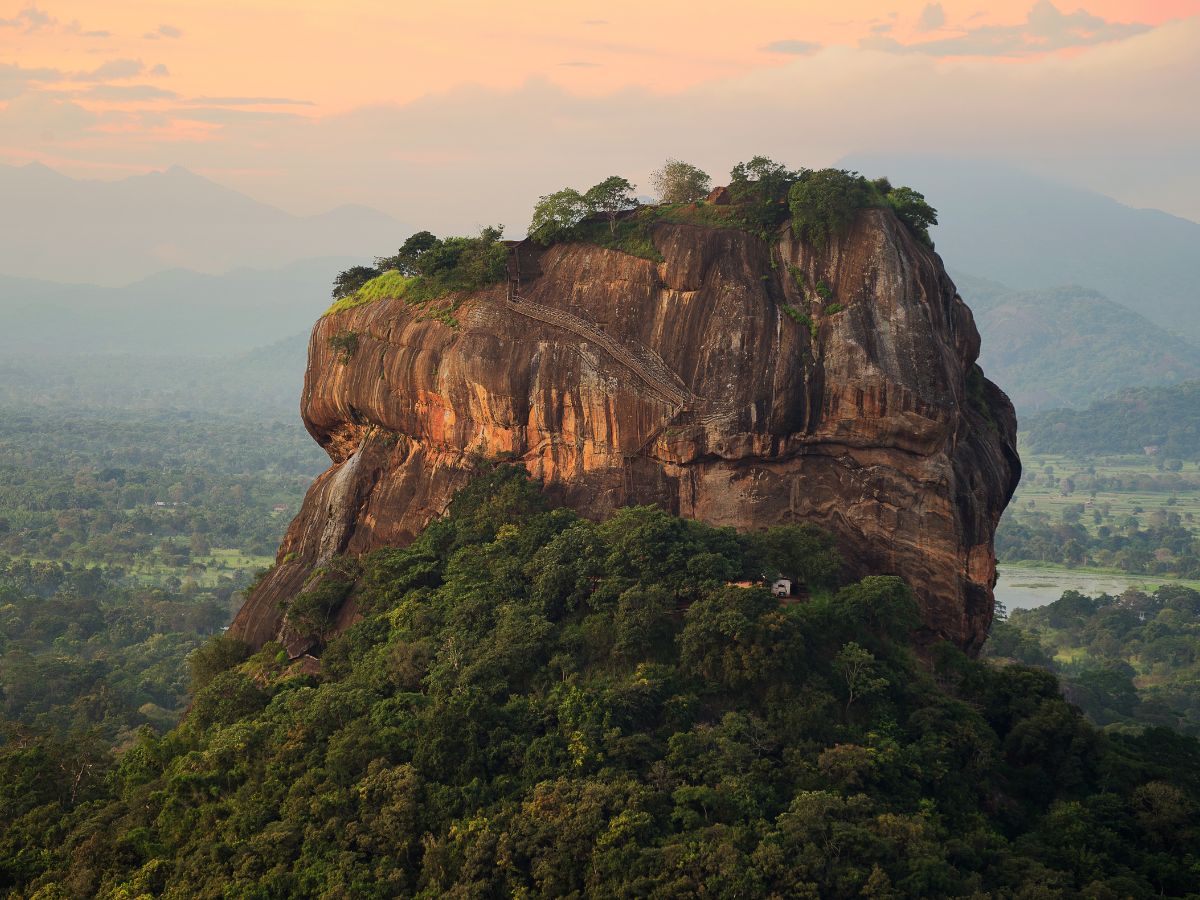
(686, 383)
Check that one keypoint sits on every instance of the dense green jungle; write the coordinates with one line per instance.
(536, 704)
(128, 527)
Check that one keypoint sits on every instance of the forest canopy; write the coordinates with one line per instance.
(537, 704)
(1127, 659)
(1166, 419)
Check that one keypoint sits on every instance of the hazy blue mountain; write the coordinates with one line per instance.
(1166, 417)
(61, 229)
(174, 312)
(1070, 346)
(265, 381)
(1030, 233)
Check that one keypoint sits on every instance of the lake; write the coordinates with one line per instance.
(1021, 587)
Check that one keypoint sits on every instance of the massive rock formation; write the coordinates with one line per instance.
(696, 383)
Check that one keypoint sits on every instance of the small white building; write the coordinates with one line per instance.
(782, 587)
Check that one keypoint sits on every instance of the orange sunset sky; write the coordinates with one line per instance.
(310, 104)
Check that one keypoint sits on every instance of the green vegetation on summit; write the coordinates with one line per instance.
(763, 195)
(425, 269)
(535, 704)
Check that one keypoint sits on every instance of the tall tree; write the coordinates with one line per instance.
(610, 198)
(556, 214)
(680, 182)
(407, 260)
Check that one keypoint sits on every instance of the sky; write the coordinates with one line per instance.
(443, 114)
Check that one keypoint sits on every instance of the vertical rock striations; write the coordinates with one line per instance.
(738, 382)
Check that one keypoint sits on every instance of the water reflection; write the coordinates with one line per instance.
(1025, 588)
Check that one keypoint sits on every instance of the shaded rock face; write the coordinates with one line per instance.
(617, 380)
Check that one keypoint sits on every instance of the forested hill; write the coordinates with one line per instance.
(1125, 659)
(539, 705)
(1069, 346)
(1164, 417)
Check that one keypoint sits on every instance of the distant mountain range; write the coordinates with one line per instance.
(1069, 346)
(1031, 233)
(1164, 418)
(1133, 321)
(176, 312)
(63, 229)
(1048, 348)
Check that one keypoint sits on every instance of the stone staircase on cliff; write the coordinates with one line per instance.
(641, 360)
(689, 408)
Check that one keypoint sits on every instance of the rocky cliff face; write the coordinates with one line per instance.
(685, 383)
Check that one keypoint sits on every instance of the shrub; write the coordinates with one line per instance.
(761, 180)
(349, 281)
(216, 655)
(344, 343)
(407, 260)
(823, 203)
(609, 198)
(802, 318)
(760, 189)
(428, 268)
(314, 611)
(228, 697)
(556, 216)
(465, 263)
(910, 207)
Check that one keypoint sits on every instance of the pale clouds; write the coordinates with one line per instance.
(932, 18)
(29, 20)
(17, 80)
(793, 47)
(42, 119)
(113, 70)
(1046, 29)
(250, 101)
(164, 31)
(1115, 117)
(124, 93)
